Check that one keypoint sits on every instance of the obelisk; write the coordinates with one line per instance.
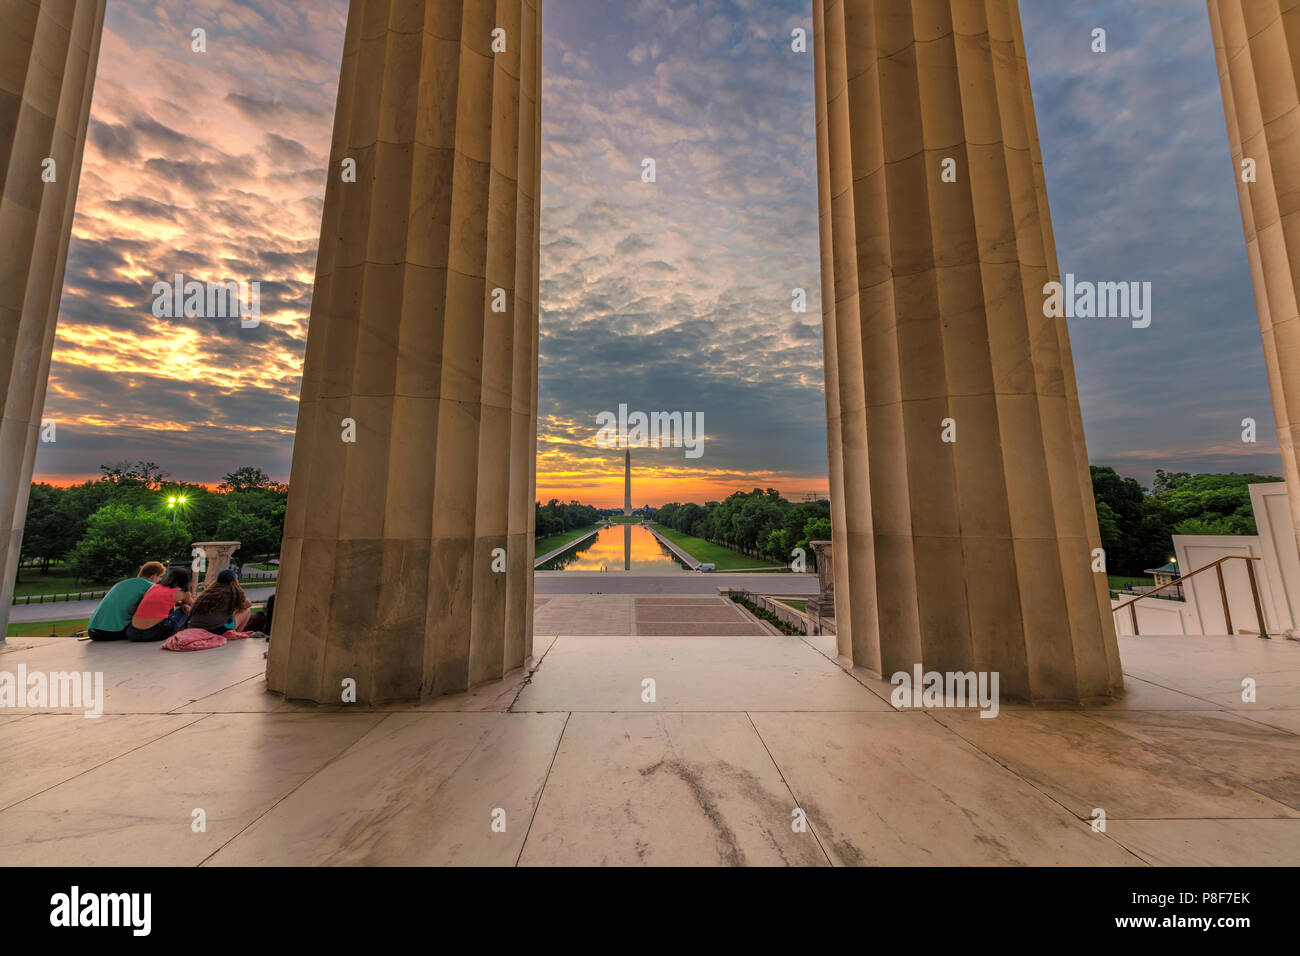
(627, 482)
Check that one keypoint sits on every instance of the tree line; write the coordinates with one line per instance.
(759, 523)
(1136, 524)
(105, 528)
(555, 518)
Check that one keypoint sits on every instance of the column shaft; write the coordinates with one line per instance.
(48, 54)
(407, 559)
(1257, 45)
(973, 554)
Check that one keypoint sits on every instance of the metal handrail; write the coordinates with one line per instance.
(1223, 591)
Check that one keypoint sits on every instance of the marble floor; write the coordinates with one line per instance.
(754, 749)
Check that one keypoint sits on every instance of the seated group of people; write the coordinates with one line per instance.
(159, 601)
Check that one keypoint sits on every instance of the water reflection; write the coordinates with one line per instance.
(629, 547)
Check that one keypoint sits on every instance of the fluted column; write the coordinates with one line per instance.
(393, 569)
(973, 553)
(48, 53)
(1257, 45)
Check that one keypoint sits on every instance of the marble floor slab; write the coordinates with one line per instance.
(51, 748)
(139, 809)
(899, 790)
(576, 768)
(143, 678)
(1211, 842)
(1265, 759)
(1213, 668)
(692, 673)
(666, 789)
(1085, 764)
(418, 790)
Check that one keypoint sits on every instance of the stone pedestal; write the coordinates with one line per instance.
(1257, 44)
(962, 508)
(216, 557)
(48, 53)
(408, 545)
(823, 604)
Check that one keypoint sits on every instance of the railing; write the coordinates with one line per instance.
(1223, 591)
(62, 596)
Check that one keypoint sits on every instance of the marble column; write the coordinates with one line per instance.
(408, 549)
(1257, 44)
(48, 53)
(962, 510)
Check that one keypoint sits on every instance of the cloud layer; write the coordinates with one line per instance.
(672, 295)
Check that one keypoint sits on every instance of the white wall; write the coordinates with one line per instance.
(1203, 594)
(1281, 559)
(1156, 616)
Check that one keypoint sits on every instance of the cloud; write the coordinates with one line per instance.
(673, 295)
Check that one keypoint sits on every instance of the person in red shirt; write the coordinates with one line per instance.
(164, 608)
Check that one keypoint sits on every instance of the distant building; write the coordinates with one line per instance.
(1166, 574)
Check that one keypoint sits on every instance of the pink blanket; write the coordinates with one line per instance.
(197, 639)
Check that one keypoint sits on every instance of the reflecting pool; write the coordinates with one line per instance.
(627, 547)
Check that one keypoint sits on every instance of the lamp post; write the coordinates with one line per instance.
(173, 503)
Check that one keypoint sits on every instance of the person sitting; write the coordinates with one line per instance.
(164, 608)
(113, 616)
(222, 606)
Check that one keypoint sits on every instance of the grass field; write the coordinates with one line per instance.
(1120, 581)
(33, 582)
(549, 544)
(798, 605)
(707, 552)
(45, 628)
(624, 519)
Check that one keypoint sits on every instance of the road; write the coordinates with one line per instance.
(75, 610)
(546, 582)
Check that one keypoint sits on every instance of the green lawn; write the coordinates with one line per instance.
(33, 582)
(45, 628)
(1119, 582)
(707, 552)
(549, 544)
(796, 604)
(624, 519)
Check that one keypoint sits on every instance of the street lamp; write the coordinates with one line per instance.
(172, 504)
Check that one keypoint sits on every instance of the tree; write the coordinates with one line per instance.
(255, 534)
(52, 526)
(145, 474)
(246, 478)
(121, 537)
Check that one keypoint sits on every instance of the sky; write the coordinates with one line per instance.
(671, 296)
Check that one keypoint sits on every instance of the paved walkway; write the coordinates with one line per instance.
(565, 547)
(690, 562)
(742, 736)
